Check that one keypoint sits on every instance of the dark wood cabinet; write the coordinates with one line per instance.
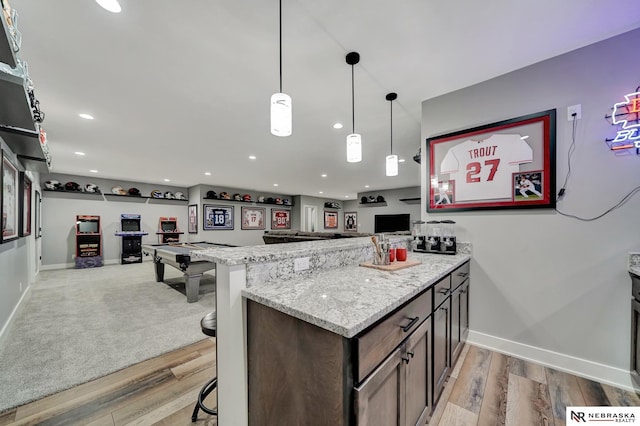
(459, 320)
(392, 373)
(398, 391)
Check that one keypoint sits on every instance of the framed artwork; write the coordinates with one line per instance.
(193, 218)
(10, 198)
(330, 220)
(253, 217)
(280, 219)
(351, 221)
(508, 164)
(25, 205)
(38, 214)
(217, 217)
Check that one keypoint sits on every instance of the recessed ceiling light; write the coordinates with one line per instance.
(275, 184)
(86, 116)
(401, 160)
(79, 153)
(93, 171)
(207, 173)
(366, 186)
(324, 175)
(167, 180)
(337, 126)
(110, 5)
(346, 196)
(252, 157)
(320, 192)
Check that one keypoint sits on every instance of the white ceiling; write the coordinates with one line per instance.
(181, 88)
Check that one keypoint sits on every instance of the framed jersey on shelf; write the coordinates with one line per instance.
(508, 164)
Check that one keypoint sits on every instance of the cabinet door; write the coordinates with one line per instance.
(455, 345)
(380, 398)
(635, 336)
(418, 375)
(464, 312)
(440, 349)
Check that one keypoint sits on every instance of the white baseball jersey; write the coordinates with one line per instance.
(527, 185)
(483, 169)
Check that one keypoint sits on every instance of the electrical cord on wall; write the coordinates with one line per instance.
(572, 148)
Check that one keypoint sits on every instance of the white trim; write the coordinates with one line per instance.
(577, 366)
(56, 266)
(14, 314)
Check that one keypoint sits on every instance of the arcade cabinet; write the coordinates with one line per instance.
(88, 242)
(168, 232)
(131, 239)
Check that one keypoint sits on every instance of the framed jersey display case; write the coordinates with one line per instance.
(508, 164)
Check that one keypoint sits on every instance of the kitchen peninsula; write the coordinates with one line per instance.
(334, 296)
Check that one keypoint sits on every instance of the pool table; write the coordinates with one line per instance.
(178, 255)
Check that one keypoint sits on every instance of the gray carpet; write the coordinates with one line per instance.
(81, 324)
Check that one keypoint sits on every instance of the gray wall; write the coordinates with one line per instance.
(18, 260)
(237, 236)
(545, 284)
(367, 212)
(60, 210)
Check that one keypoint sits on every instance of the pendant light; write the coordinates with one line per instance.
(280, 102)
(354, 140)
(392, 160)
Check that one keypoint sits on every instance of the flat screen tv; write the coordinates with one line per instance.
(88, 226)
(130, 225)
(392, 222)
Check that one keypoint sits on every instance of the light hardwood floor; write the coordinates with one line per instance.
(485, 388)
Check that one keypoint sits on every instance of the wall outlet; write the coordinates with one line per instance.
(574, 109)
(301, 264)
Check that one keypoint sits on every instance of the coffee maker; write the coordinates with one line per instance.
(440, 238)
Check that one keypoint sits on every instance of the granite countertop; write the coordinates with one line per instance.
(272, 252)
(633, 263)
(347, 300)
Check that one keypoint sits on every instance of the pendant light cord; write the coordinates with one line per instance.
(353, 104)
(391, 126)
(280, 33)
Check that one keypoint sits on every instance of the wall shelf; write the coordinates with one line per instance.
(77, 195)
(415, 200)
(254, 203)
(374, 204)
(17, 126)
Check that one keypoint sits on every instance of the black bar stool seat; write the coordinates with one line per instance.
(208, 325)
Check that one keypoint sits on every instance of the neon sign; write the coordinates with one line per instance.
(626, 115)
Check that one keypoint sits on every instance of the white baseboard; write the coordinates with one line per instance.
(14, 314)
(577, 366)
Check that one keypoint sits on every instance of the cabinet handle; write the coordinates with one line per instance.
(463, 274)
(444, 291)
(411, 324)
(408, 358)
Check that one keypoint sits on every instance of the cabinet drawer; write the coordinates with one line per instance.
(441, 291)
(459, 275)
(375, 344)
(635, 286)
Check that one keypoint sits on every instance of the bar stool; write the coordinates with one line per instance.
(208, 326)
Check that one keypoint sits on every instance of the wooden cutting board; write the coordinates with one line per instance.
(393, 266)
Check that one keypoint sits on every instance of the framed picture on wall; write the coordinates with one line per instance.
(10, 198)
(351, 221)
(193, 218)
(217, 217)
(25, 205)
(253, 217)
(280, 219)
(38, 214)
(483, 167)
(330, 220)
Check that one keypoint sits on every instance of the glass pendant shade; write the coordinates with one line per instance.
(392, 165)
(354, 148)
(281, 114)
